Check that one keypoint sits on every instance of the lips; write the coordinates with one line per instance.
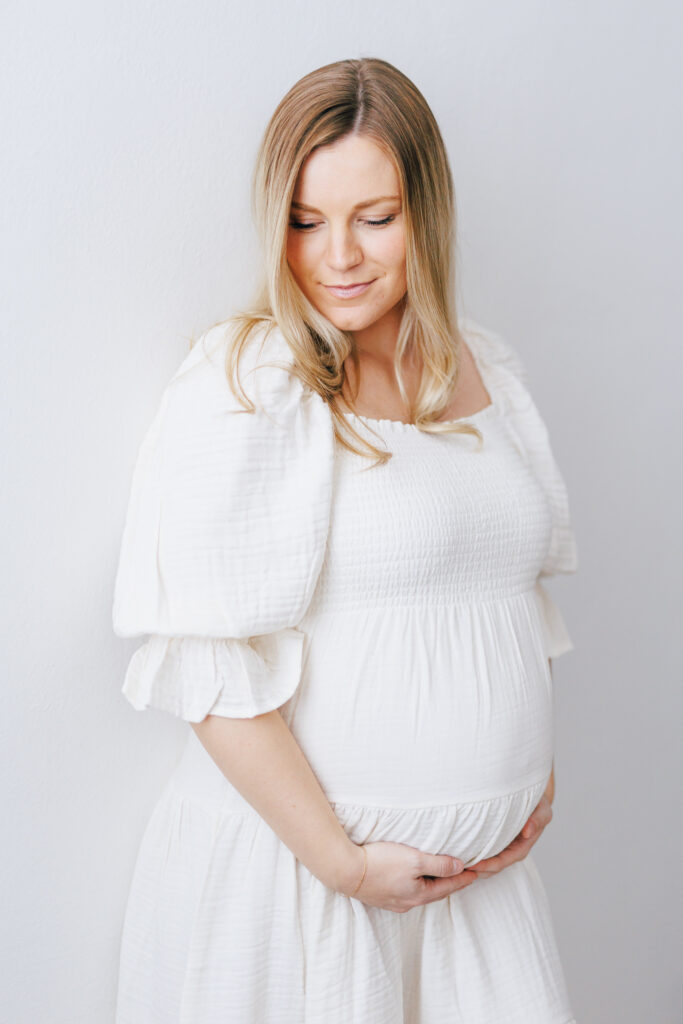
(348, 291)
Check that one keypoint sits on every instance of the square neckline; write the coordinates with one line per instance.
(485, 411)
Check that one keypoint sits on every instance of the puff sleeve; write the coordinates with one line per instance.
(224, 534)
(506, 374)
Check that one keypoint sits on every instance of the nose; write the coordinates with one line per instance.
(343, 250)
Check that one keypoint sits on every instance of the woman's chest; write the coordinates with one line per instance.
(441, 521)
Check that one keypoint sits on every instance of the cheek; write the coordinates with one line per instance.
(292, 251)
(391, 252)
(298, 255)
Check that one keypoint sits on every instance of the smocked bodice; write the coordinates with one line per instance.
(442, 521)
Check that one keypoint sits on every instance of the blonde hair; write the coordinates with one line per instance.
(369, 97)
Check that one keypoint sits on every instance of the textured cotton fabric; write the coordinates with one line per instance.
(397, 617)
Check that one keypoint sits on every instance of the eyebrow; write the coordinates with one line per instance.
(358, 206)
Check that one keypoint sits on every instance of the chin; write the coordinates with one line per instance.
(350, 320)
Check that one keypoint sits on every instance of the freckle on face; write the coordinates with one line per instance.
(342, 246)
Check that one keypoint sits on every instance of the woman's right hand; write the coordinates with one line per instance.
(399, 877)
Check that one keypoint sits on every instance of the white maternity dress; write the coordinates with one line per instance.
(397, 617)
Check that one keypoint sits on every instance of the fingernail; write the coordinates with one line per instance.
(457, 865)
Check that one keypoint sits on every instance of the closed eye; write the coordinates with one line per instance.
(385, 220)
(299, 225)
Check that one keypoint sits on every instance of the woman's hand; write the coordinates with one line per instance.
(520, 845)
(399, 877)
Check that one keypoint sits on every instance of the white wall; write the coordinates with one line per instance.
(128, 134)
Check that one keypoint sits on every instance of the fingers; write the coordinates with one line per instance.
(433, 889)
(542, 815)
(521, 844)
(439, 865)
(517, 850)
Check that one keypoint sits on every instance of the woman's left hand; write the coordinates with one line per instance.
(520, 845)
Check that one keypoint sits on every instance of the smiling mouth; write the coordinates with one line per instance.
(347, 291)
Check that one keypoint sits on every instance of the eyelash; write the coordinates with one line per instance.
(306, 225)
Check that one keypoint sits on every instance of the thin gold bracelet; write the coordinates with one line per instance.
(365, 868)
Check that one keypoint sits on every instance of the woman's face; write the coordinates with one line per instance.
(346, 241)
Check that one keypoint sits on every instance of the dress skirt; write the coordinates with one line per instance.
(225, 926)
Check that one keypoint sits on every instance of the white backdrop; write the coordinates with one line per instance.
(128, 135)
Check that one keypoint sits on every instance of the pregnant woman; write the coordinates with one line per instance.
(338, 527)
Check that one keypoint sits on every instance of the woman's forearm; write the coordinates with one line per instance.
(263, 761)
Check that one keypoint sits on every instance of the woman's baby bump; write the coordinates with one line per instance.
(420, 719)
(470, 831)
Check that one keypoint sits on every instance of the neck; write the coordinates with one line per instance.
(378, 341)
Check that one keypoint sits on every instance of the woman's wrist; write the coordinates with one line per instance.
(349, 869)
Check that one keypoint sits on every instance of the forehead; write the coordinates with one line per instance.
(345, 173)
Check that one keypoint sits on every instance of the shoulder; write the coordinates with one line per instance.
(505, 374)
(265, 367)
(205, 430)
(203, 396)
(493, 350)
(200, 424)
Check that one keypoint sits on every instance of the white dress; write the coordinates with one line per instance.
(397, 617)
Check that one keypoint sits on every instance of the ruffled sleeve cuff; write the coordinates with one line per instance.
(191, 677)
(555, 633)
